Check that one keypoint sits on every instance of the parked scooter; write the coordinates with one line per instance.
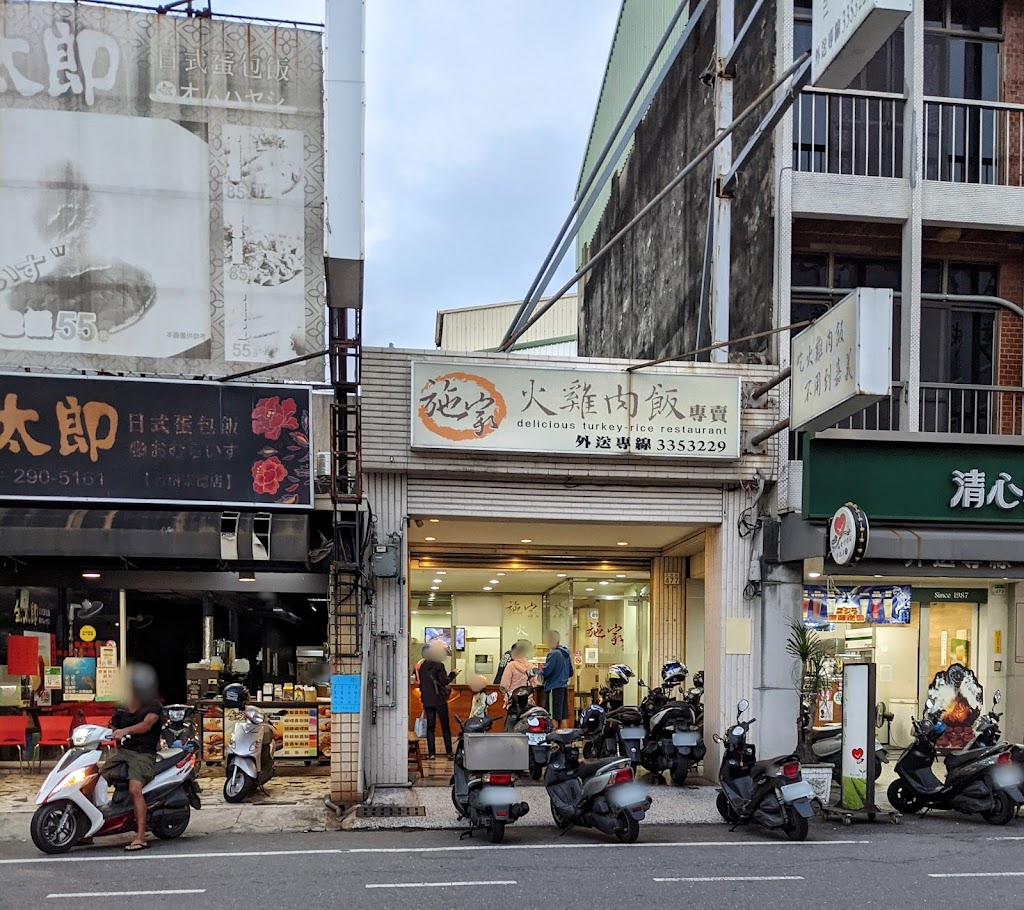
(595, 793)
(771, 793)
(76, 802)
(536, 723)
(827, 746)
(672, 742)
(249, 757)
(180, 728)
(695, 699)
(487, 799)
(983, 780)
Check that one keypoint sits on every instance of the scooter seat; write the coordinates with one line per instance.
(167, 759)
(591, 766)
(966, 756)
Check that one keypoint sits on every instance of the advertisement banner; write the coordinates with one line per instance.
(584, 412)
(879, 605)
(142, 440)
(858, 738)
(161, 179)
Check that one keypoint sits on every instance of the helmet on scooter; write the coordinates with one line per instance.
(674, 673)
(592, 720)
(619, 675)
(235, 695)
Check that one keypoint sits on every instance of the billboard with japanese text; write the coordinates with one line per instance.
(586, 412)
(148, 440)
(161, 183)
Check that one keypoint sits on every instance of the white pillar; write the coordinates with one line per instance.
(722, 248)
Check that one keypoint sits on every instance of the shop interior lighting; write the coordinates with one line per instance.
(526, 540)
(247, 576)
(439, 572)
(430, 538)
(814, 574)
(435, 521)
(488, 588)
(590, 589)
(91, 574)
(560, 575)
(437, 581)
(622, 543)
(494, 581)
(499, 574)
(434, 588)
(602, 582)
(620, 574)
(414, 612)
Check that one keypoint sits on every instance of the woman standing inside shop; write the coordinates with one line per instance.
(434, 682)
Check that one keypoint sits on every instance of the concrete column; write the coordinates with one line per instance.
(722, 249)
(346, 783)
(728, 677)
(1013, 725)
(668, 614)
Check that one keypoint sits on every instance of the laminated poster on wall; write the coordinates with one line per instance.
(79, 678)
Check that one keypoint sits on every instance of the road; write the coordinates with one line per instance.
(938, 862)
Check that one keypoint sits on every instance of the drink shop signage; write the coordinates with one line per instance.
(142, 441)
(479, 407)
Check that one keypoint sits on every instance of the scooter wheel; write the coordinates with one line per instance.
(725, 809)
(560, 820)
(238, 787)
(497, 832)
(797, 827)
(172, 830)
(680, 771)
(1002, 812)
(536, 770)
(51, 831)
(628, 830)
(902, 799)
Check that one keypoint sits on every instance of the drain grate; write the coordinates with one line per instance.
(391, 812)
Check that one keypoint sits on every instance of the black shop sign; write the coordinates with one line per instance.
(144, 441)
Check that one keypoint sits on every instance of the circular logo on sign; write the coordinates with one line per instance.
(848, 535)
(461, 406)
(87, 633)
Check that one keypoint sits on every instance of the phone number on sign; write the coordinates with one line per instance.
(44, 478)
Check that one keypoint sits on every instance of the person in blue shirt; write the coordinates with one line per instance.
(555, 674)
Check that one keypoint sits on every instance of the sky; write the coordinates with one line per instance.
(477, 116)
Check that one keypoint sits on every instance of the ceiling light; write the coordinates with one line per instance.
(814, 574)
(434, 521)
(247, 576)
(91, 574)
(878, 576)
(439, 572)
(560, 575)
(430, 538)
(590, 589)
(610, 597)
(602, 582)
(437, 581)
(499, 574)
(494, 581)
(448, 613)
(487, 588)
(526, 540)
(434, 588)
(414, 612)
(620, 574)
(622, 543)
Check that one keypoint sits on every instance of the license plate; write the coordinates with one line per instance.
(800, 790)
(536, 739)
(1006, 776)
(686, 738)
(633, 733)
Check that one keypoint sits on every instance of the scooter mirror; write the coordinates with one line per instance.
(742, 706)
(717, 738)
(998, 697)
(641, 683)
(929, 704)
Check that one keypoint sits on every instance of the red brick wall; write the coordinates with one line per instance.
(1012, 53)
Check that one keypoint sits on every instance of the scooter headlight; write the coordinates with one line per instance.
(74, 779)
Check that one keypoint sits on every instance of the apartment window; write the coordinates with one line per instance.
(962, 43)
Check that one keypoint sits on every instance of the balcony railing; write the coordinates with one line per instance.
(973, 142)
(972, 409)
(859, 133)
(882, 415)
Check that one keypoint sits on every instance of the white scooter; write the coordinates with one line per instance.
(249, 757)
(76, 802)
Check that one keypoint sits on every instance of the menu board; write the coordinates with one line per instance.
(300, 732)
(295, 732)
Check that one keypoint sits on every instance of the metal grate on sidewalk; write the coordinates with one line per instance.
(391, 812)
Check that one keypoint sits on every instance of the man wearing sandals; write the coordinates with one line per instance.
(137, 734)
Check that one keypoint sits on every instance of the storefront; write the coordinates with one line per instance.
(937, 586)
(528, 494)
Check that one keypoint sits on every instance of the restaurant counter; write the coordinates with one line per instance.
(302, 729)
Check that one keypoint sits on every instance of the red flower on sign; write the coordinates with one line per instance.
(267, 475)
(271, 416)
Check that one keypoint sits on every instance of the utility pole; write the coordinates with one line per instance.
(722, 246)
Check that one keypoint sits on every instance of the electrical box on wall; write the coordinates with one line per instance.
(385, 560)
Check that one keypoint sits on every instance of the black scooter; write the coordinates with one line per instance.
(533, 721)
(771, 793)
(595, 793)
(623, 736)
(980, 780)
(487, 799)
(672, 742)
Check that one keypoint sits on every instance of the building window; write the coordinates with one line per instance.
(962, 44)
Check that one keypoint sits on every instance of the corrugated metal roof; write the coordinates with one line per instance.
(641, 25)
(481, 328)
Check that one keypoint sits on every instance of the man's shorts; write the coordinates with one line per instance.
(140, 765)
(558, 699)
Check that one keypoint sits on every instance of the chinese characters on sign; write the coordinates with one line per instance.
(875, 604)
(524, 409)
(846, 34)
(119, 440)
(842, 362)
(974, 492)
(204, 253)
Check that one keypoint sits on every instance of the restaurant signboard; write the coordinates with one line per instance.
(144, 441)
(481, 407)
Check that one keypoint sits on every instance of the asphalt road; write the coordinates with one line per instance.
(938, 862)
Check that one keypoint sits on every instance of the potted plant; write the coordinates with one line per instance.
(812, 652)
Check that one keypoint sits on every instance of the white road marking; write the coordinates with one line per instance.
(440, 884)
(736, 878)
(151, 855)
(1007, 837)
(975, 874)
(127, 893)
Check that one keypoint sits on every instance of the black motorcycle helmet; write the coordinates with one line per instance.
(235, 695)
(592, 720)
(476, 725)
